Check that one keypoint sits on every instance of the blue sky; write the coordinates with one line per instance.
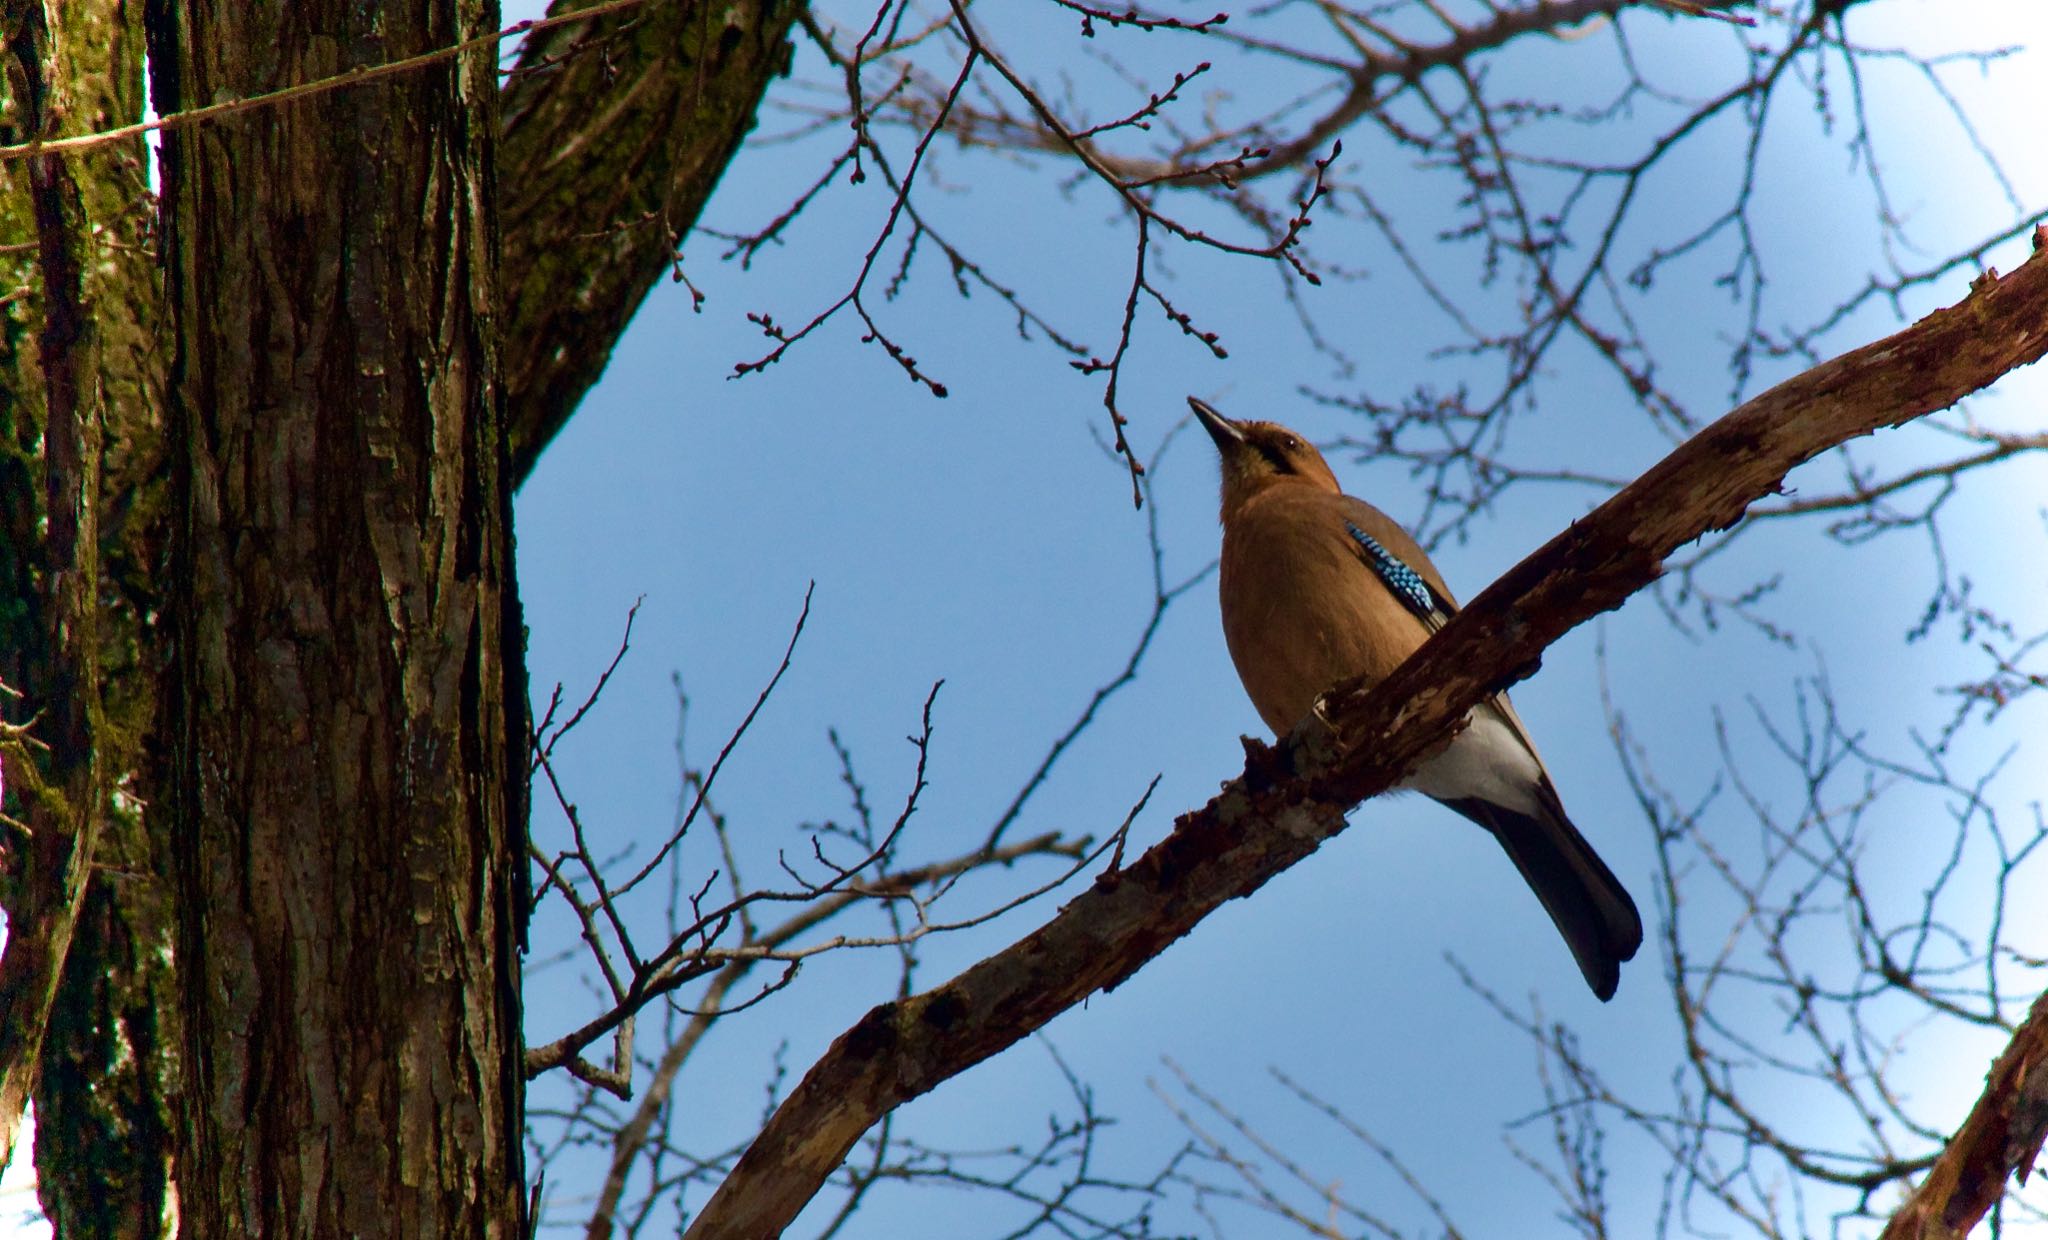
(984, 540)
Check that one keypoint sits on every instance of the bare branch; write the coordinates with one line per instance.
(2001, 1139)
(1293, 797)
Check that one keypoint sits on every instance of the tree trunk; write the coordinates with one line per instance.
(107, 1067)
(346, 709)
(56, 565)
(72, 360)
(595, 194)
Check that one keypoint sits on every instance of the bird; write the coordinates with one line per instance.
(1317, 587)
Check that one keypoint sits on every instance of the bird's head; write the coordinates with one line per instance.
(1257, 455)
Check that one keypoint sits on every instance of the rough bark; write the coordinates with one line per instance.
(2001, 1138)
(107, 1072)
(347, 744)
(56, 568)
(1292, 797)
(616, 132)
(638, 128)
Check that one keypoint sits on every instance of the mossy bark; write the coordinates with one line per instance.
(616, 132)
(103, 1089)
(614, 141)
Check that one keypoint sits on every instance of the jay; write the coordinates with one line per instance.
(1318, 587)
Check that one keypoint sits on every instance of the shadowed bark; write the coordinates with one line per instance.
(587, 149)
(616, 132)
(53, 567)
(107, 1072)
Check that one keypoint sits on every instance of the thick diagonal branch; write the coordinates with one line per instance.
(1293, 797)
(2001, 1137)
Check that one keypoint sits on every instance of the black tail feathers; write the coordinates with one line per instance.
(1591, 908)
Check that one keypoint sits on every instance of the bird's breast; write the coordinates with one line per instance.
(1301, 611)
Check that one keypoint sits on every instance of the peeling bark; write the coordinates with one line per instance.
(2001, 1138)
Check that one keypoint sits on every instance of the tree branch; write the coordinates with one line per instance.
(616, 131)
(2001, 1138)
(1292, 797)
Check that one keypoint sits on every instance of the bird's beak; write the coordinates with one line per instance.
(1221, 429)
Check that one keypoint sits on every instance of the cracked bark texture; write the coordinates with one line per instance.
(636, 132)
(343, 711)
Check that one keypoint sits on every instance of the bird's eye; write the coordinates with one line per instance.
(1290, 444)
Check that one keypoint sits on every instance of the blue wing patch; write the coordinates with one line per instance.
(1405, 582)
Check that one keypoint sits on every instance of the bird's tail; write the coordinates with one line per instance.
(1591, 908)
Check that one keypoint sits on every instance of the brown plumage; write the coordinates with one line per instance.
(1317, 587)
